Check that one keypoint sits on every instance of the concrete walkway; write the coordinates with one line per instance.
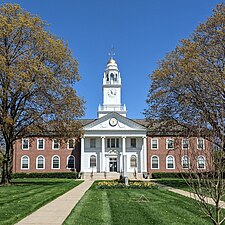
(192, 195)
(56, 212)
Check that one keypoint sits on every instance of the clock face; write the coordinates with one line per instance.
(112, 92)
(113, 122)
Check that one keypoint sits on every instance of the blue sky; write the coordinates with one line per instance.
(141, 31)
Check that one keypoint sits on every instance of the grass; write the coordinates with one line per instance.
(174, 182)
(135, 206)
(27, 195)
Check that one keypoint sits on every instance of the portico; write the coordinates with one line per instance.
(121, 148)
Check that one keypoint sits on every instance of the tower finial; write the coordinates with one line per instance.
(112, 52)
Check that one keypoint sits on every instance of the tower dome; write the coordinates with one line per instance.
(111, 61)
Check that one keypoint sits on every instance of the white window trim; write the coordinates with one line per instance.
(135, 143)
(136, 161)
(110, 142)
(167, 142)
(52, 163)
(90, 161)
(203, 144)
(183, 161)
(43, 144)
(90, 143)
(68, 144)
(53, 145)
(28, 143)
(157, 143)
(21, 162)
(182, 143)
(37, 162)
(173, 162)
(67, 162)
(198, 163)
(158, 162)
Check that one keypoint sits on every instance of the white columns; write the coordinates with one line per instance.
(124, 145)
(103, 155)
(142, 157)
(124, 160)
(144, 154)
(82, 155)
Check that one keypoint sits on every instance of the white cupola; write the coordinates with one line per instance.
(111, 87)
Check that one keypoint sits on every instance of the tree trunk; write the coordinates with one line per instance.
(7, 165)
(3, 170)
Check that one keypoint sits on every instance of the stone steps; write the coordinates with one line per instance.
(109, 176)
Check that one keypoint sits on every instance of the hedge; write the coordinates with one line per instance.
(169, 175)
(211, 174)
(68, 175)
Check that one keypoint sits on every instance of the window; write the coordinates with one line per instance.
(154, 143)
(55, 144)
(70, 143)
(201, 162)
(40, 144)
(155, 162)
(25, 144)
(133, 161)
(25, 162)
(170, 144)
(92, 143)
(185, 143)
(200, 143)
(185, 162)
(40, 162)
(55, 162)
(170, 162)
(93, 161)
(133, 142)
(108, 142)
(112, 142)
(70, 162)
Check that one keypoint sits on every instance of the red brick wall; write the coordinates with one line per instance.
(48, 153)
(162, 152)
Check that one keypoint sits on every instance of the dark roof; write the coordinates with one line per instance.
(85, 122)
(142, 122)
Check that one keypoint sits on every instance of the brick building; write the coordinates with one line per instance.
(111, 144)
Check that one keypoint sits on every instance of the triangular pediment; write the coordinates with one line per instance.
(114, 122)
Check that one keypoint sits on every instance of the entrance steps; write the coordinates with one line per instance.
(109, 176)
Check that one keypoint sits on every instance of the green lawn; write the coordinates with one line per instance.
(174, 182)
(27, 195)
(179, 184)
(135, 206)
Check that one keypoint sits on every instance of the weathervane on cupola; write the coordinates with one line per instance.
(112, 52)
(111, 89)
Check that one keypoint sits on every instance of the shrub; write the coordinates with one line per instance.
(131, 185)
(68, 175)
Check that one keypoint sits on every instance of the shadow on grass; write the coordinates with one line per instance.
(175, 183)
(40, 182)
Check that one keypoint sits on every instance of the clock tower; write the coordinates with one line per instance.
(111, 91)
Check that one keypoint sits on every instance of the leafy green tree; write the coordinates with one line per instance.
(188, 89)
(37, 81)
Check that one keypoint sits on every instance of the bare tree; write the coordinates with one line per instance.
(188, 88)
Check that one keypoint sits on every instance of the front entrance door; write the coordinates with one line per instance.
(113, 164)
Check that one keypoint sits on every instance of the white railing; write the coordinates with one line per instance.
(111, 108)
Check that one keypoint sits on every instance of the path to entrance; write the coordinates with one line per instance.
(56, 212)
(192, 195)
